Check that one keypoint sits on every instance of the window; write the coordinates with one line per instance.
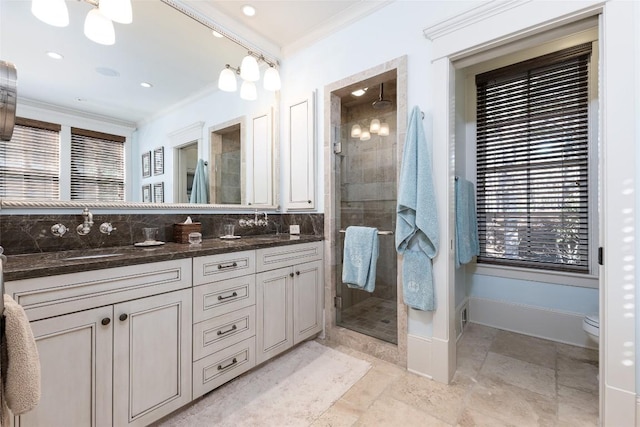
(30, 162)
(97, 166)
(533, 162)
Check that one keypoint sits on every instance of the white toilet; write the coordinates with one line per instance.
(591, 325)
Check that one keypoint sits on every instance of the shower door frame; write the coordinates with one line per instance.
(397, 354)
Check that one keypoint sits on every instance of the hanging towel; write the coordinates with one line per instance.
(200, 188)
(360, 258)
(417, 224)
(21, 372)
(467, 243)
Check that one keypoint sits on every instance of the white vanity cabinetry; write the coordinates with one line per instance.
(289, 287)
(114, 344)
(224, 318)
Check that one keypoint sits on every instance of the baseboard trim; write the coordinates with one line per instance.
(554, 325)
(419, 355)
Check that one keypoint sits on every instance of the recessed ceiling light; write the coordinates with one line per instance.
(217, 34)
(145, 84)
(248, 10)
(108, 72)
(54, 55)
(359, 92)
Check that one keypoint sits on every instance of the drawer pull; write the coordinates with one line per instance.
(233, 328)
(105, 321)
(123, 317)
(222, 267)
(233, 362)
(233, 295)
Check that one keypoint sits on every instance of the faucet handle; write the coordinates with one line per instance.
(107, 228)
(58, 230)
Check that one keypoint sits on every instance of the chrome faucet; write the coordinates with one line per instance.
(85, 227)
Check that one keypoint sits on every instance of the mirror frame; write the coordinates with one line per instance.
(197, 16)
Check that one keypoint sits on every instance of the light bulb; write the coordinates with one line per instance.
(355, 131)
(271, 79)
(248, 91)
(99, 28)
(227, 80)
(249, 69)
(384, 129)
(117, 10)
(374, 127)
(365, 135)
(52, 12)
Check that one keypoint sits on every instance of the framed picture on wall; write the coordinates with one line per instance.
(146, 164)
(158, 192)
(146, 193)
(158, 161)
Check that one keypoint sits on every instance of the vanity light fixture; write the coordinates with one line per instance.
(98, 24)
(249, 71)
(374, 127)
(365, 135)
(356, 131)
(384, 129)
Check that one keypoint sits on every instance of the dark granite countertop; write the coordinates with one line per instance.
(44, 264)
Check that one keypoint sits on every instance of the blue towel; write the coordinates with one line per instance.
(467, 244)
(417, 225)
(360, 257)
(200, 188)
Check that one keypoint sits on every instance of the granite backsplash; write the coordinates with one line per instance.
(21, 234)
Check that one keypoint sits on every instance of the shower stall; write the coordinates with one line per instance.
(365, 177)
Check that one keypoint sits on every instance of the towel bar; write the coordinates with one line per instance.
(380, 233)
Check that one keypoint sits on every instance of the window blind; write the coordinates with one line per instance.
(532, 162)
(30, 162)
(97, 166)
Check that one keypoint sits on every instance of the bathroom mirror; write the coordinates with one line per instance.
(106, 82)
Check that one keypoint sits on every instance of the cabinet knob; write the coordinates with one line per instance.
(290, 274)
(297, 273)
(105, 321)
(123, 317)
(309, 201)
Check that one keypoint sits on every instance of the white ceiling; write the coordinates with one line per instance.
(168, 49)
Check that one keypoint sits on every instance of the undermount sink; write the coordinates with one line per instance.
(96, 256)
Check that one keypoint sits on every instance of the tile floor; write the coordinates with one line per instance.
(503, 379)
(375, 317)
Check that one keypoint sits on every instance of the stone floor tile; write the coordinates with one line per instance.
(522, 347)
(521, 374)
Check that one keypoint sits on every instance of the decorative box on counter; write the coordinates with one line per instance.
(181, 231)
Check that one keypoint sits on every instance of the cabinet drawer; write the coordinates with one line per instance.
(285, 256)
(218, 368)
(220, 332)
(218, 298)
(214, 268)
(56, 295)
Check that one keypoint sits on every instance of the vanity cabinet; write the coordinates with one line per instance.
(224, 318)
(289, 287)
(114, 344)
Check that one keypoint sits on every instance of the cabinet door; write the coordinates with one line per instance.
(302, 176)
(75, 362)
(274, 303)
(152, 357)
(307, 300)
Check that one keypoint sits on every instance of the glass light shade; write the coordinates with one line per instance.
(249, 69)
(365, 135)
(117, 10)
(52, 12)
(384, 129)
(271, 79)
(99, 28)
(248, 91)
(355, 131)
(374, 127)
(227, 80)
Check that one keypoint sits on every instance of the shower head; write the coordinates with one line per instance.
(381, 104)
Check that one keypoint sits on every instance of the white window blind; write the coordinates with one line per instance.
(532, 162)
(30, 162)
(97, 166)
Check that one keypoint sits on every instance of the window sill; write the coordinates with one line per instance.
(544, 276)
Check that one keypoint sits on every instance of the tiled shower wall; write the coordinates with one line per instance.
(32, 233)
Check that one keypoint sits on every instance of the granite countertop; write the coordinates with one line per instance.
(44, 264)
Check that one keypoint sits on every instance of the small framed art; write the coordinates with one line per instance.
(158, 192)
(146, 193)
(158, 161)
(146, 164)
